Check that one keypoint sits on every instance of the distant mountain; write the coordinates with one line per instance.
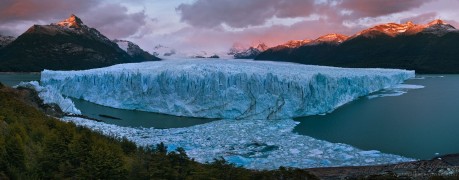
(426, 48)
(247, 53)
(66, 45)
(5, 40)
(135, 51)
(163, 51)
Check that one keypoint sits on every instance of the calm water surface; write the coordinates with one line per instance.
(417, 124)
(13, 79)
(130, 118)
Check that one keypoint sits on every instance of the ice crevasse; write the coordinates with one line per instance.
(229, 89)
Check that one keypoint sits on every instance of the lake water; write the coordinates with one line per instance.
(120, 117)
(417, 124)
(12, 79)
(130, 118)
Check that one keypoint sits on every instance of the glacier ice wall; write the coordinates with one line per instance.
(51, 96)
(230, 89)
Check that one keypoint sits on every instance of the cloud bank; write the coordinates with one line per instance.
(111, 19)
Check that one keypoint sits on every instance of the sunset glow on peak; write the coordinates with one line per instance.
(71, 22)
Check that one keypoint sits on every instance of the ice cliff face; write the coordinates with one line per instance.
(232, 89)
(51, 96)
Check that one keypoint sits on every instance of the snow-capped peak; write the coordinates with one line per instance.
(238, 51)
(438, 27)
(71, 22)
(296, 43)
(436, 21)
(262, 47)
(329, 39)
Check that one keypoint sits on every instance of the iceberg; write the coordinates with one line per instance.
(226, 89)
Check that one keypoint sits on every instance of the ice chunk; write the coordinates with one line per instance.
(396, 90)
(233, 89)
(51, 96)
(249, 143)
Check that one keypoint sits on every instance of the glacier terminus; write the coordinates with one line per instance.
(225, 89)
(255, 100)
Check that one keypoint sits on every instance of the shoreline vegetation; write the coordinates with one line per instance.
(36, 145)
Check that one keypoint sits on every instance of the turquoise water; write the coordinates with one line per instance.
(120, 117)
(12, 79)
(130, 118)
(417, 124)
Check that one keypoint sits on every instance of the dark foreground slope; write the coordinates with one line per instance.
(66, 45)
(431, 48)
(36, 146)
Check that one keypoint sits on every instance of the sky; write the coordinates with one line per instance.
(215, 26)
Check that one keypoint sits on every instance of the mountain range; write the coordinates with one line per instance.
(239, 52)
(426, 48)
(66, 45)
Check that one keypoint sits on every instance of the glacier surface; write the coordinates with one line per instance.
(253, 144)
(227, 89)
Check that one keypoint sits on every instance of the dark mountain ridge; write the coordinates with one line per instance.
(429, 48)
(66, 45)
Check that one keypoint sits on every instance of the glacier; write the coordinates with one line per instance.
(50, 96)
(225, 89)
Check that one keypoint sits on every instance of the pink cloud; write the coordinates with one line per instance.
(241, 13)
(374, 8)
(32, 10)
(111, 19)
(421, 18)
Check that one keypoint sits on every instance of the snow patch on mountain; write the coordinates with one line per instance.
(437, 27)
(240, 52)
(334, 39)
(5, 40)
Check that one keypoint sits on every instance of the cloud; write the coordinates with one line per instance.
(242, 13)
(34, 10)
(421, 18)
(218, 40)
(115, 21)
(375, 8)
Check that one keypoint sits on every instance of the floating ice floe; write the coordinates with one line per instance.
(227, 89)
(253, 144)
(396, 90)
